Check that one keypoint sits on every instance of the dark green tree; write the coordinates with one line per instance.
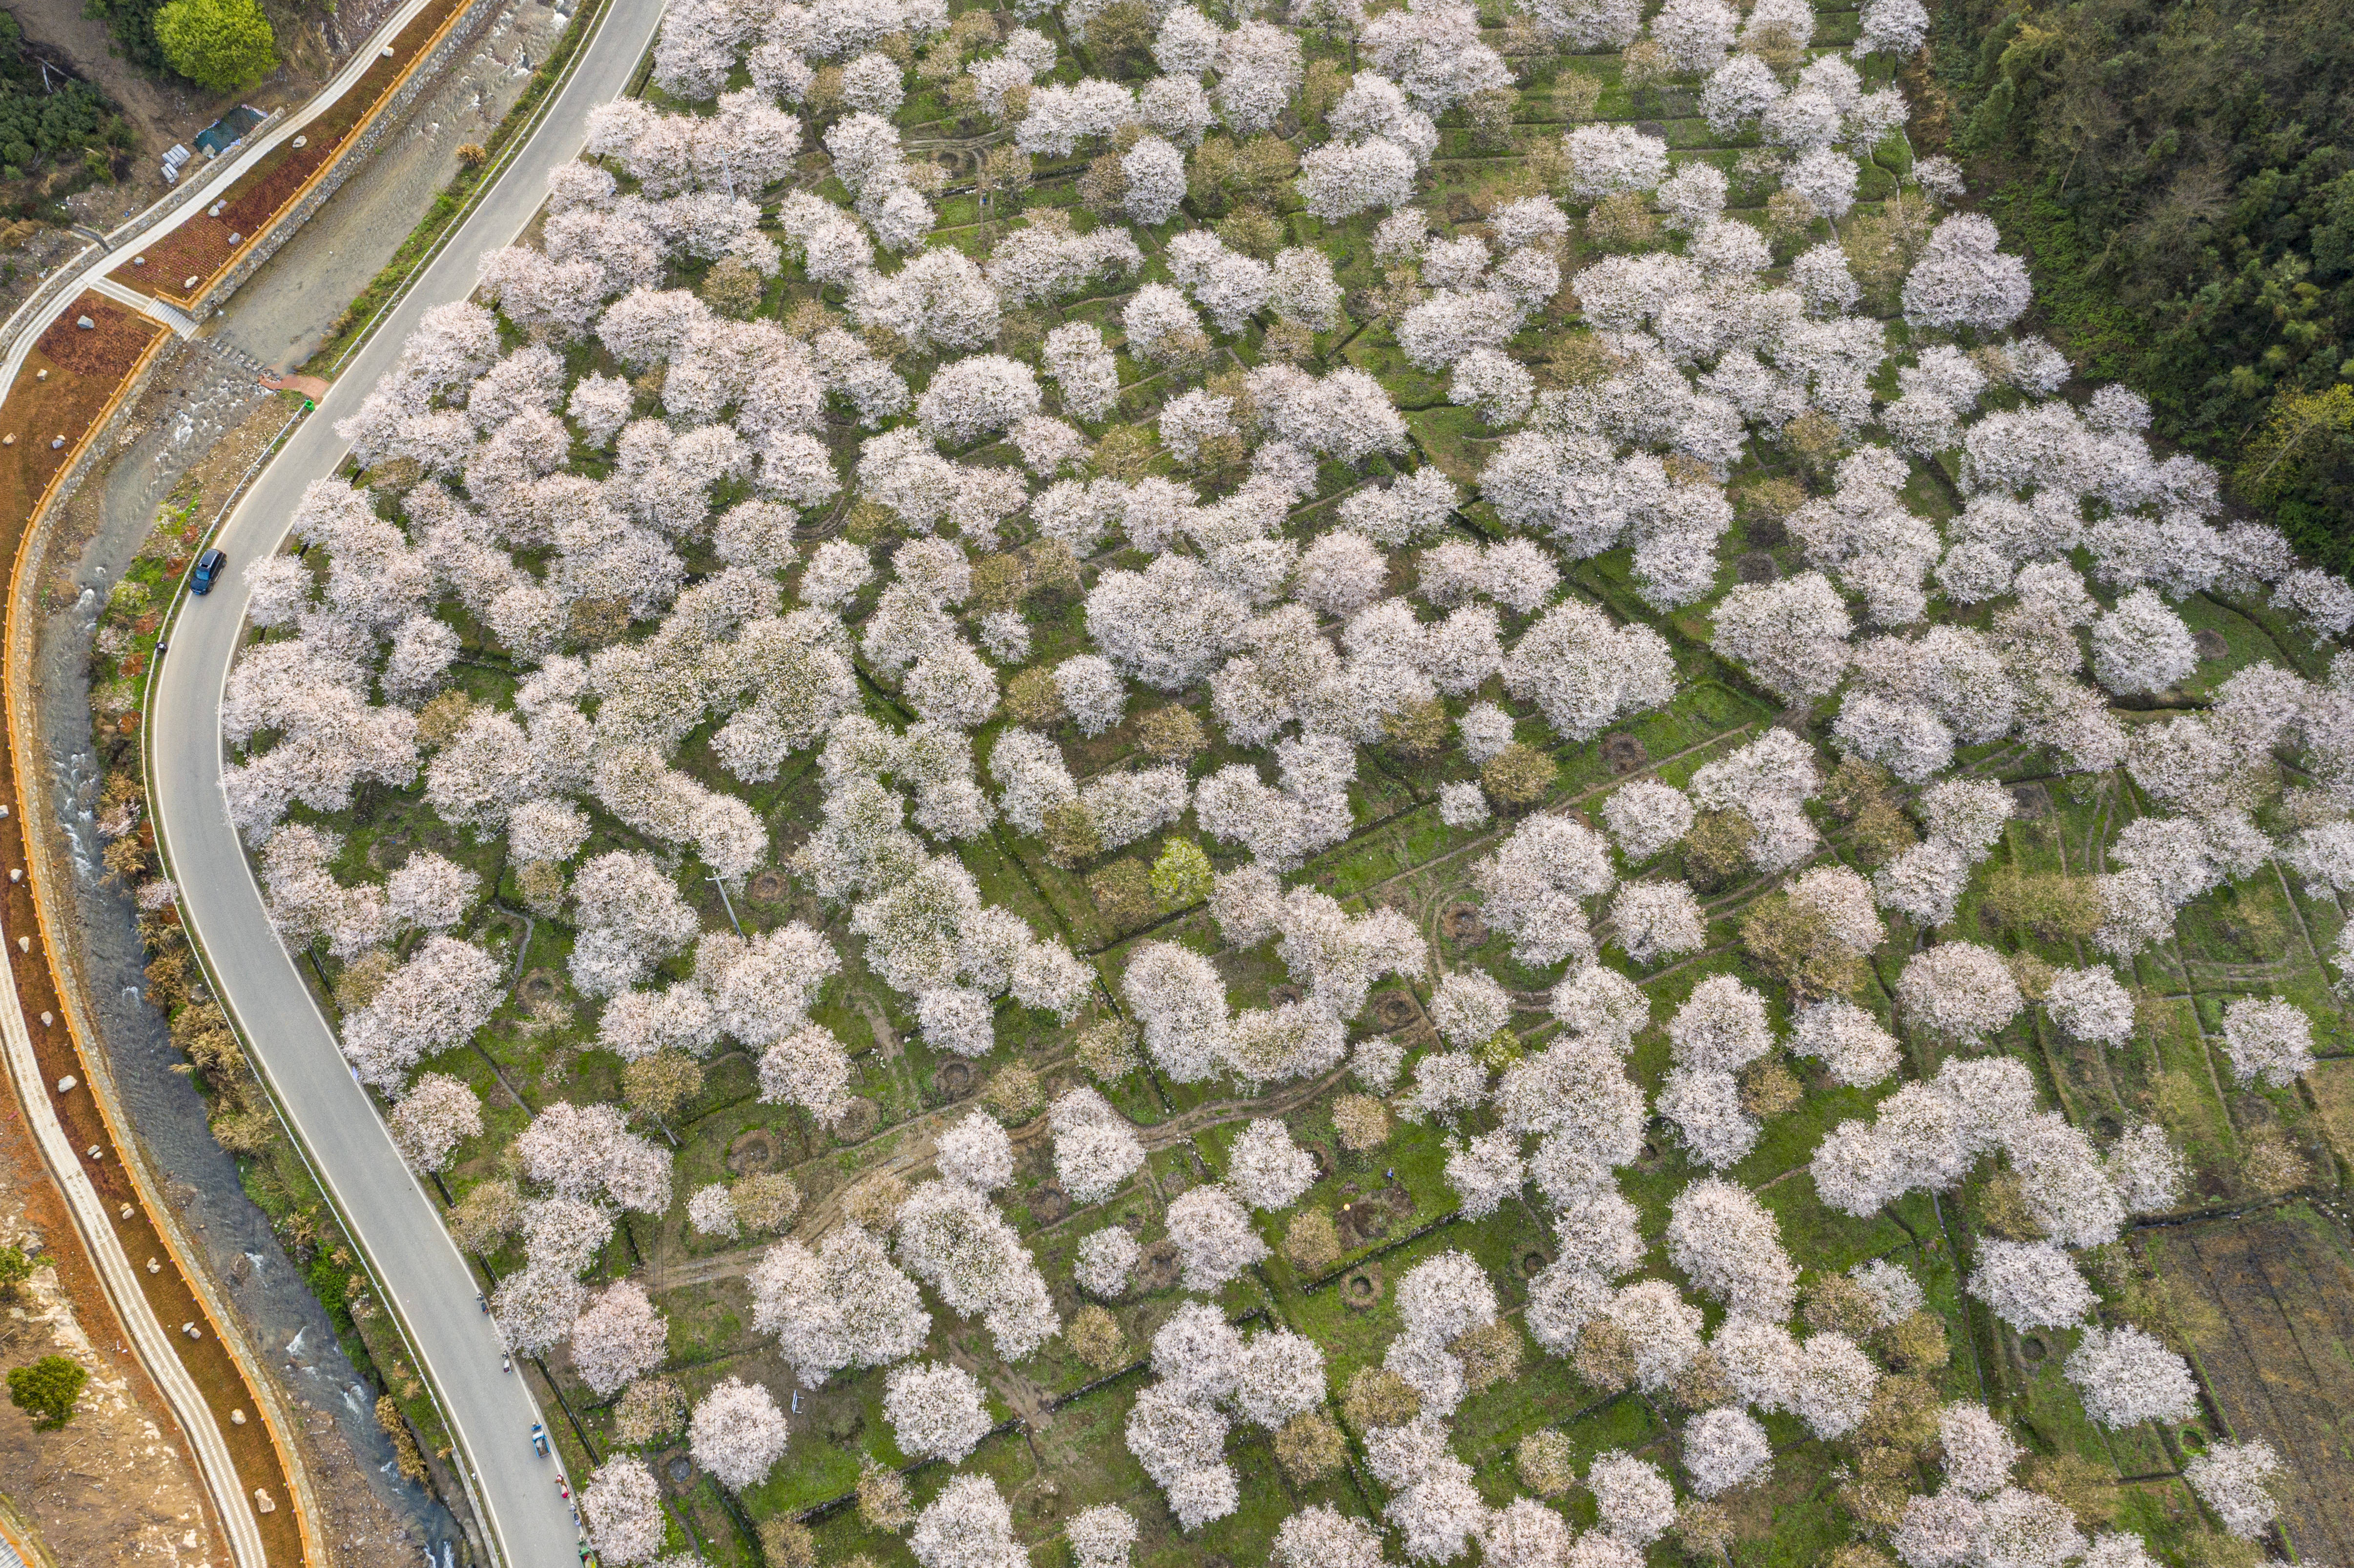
(46, 1390)
(2181, 179)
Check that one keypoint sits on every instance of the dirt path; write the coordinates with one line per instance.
(918, 1145)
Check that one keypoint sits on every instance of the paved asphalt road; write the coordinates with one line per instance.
(392, 1218)
(93, 266)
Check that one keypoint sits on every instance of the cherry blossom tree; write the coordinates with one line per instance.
(2090, 1005)
(977, 1152)
(1791, 634)
(1635, 1501)
(1320, 1536)
(2267, 1038)
(1963, 279)
(619, 1338)
(622, 1506)
(1720, 1027)
(1266, 1168)
(966, 1525)
(1106, 1257)
(1468, 1007)
(1656, 920)
(2141, 646)
(1891, 27)
(1156, 180)
(1730, 1247)
(2146, 1170)
(439, 996)
(1958, 990)
(1102, 1536)
(1535, 885)
(842, 1306)
(1978, 1452)
(536, 1308)
(1095, 1152)
(1836, 1381)
(1607, 159)
(2236, 1482)
(935, 1411)
(437, 1114)
(2030, 1284)
(1486, 1171)
(2127, 1377)
(1432, 1503)
(1849, 1042)
(1214, 1239)
(952, 1239)
(1725, 1448)
(1646, 817)
(737, 1434)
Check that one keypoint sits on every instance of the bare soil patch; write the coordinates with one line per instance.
(116, 1485)
(67, 402)
(2277, 1353)
(109, 346)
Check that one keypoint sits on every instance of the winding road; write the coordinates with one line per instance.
(91, 269)
(395, 1223)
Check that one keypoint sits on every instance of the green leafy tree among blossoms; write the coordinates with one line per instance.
(220, 45)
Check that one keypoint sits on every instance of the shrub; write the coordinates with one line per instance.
(220, 45)
(46, 1390)
(1172, 734)
(1546, 1463)
(1181, 875)
(1123, 893)
(1363, 1122)
(1310, 1446)
(1519, 775)
(1095, 1338)
(1312, 1241)
(1377, 1396)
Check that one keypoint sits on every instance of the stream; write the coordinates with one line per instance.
(211, 393)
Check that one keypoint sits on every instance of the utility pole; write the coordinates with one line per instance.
(724, 904)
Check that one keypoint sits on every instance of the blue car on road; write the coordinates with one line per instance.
(209, 566)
